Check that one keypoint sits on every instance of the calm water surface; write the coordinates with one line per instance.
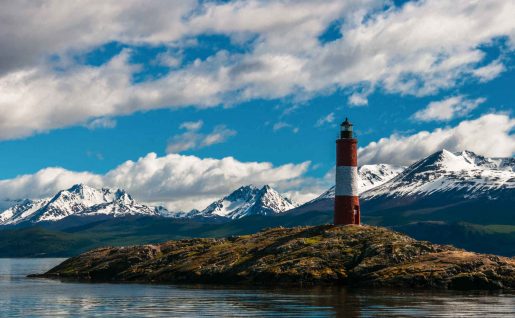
(23, 297)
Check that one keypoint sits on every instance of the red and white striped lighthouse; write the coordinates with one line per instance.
(346, 201)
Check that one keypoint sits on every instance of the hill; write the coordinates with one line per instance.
(361, 256)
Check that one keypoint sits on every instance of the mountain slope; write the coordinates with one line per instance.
(464, 174)
(448, 187)
(79, 200)
(444, 186)
(246, 201)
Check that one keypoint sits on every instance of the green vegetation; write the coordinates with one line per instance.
(39, 242)
(492, 239)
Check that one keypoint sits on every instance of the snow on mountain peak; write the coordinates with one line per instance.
(441, 171)
(273, 200)
(464, 172)
(80, 200)
(247, 200)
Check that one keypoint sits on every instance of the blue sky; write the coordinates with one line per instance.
(264, 82)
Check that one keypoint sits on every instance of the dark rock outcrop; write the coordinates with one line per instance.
(361, 256)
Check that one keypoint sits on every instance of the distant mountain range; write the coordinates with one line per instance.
(79, 200)
(83, 201)
(429, 200)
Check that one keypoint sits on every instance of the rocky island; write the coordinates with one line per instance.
(361, 256)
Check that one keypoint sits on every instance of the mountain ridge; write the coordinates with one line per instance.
(460, 175)
(444, 171)
(441, 177)
(78, 200)
(245, 201)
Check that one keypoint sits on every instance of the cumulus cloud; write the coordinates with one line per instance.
(391, 49)
(489, 135)
(306, 193)
(180, 182)
(447, 109)
(192, 139)
(357, 100)
(44, 183)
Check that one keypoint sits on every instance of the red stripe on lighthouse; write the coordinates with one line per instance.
(347, 152)
(346, 202)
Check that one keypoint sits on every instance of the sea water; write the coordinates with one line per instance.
(29, 297)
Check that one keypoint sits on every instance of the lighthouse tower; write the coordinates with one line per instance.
(346, 201)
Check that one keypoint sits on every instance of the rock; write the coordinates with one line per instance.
(346, 255)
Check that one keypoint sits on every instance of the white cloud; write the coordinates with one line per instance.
(44, 183)
(447, 109)
(396, 49)
(180, 182)
(103, 122)
(192, 125)
(168, 59)
(182, 142)
(392, 49)
(490, 71)
(328, 119)
(490, 135)
(81, 25)
(283, 125)
(357, 100)
(45, 100)
(218, 135)
(192, 139)
(305, 194)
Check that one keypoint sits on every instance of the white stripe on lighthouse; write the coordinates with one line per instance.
(346, 181)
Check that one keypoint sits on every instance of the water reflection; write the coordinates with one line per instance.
(22, 297)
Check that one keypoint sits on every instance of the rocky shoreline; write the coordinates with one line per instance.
(360, 256)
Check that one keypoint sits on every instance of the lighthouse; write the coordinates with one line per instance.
(346, 201)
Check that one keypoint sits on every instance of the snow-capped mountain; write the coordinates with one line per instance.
(443, 180)
(463, 183)
(79, 200)
(370, 176)
(449, 187)
(463, 174)
(245, 201)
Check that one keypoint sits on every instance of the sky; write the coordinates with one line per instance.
(181, 102)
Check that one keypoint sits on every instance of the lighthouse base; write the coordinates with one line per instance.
(346, 210)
